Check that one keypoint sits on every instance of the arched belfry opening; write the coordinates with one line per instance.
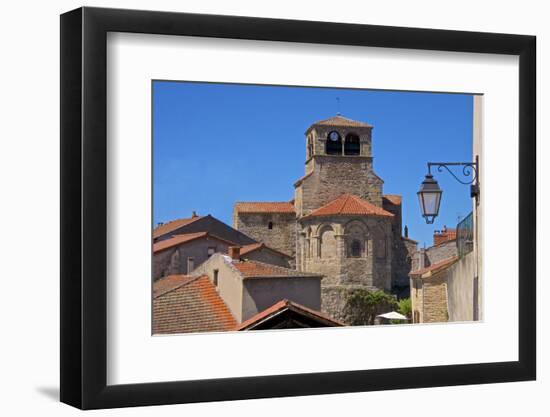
(334, 143)
(352, 145)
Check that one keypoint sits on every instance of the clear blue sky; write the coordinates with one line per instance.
(214, 144)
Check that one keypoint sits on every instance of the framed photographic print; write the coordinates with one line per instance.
(257, 208)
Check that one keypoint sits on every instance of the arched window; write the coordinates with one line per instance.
(309, 147)
(352, 145)
(334, 144)
(270, 225)
(356, 235)
(355, 249)
(327, 243)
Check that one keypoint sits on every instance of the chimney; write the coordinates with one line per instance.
(235, 252)
(159, 224)
(194, 214)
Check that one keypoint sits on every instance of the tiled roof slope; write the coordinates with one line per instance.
(283, 305)
(434, 268)
(173, 225)
(193, 306)
(445, 235)
(170, 283)
(393, 199)
(256, 246)
(180, 239)
(340, 121)
(265, 207)
(351, 205)
(255, 269)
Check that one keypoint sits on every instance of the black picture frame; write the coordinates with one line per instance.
(84, 207)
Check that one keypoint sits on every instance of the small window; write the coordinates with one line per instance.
(190, 264)
(270, 225)
(211, 251)
(355, 249)
(215, 277)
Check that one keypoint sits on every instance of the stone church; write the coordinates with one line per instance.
(339, 224)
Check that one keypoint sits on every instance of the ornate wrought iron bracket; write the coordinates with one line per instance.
(470, 171)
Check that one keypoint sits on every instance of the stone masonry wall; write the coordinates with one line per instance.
(326, 253)
(416, 299)
(435, 299)
(334, 175)
(175, 260)
(281, 237)
(440, 252)
(403, 253)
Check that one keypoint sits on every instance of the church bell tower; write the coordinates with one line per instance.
(338, 160)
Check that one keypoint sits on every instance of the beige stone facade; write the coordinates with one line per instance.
(249, 287)
(429, 292)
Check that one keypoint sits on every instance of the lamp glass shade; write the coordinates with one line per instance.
(429, 197)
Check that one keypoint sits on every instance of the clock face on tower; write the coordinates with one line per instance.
(334, 136)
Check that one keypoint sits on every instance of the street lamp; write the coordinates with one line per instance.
(429, 195)
(429, 198)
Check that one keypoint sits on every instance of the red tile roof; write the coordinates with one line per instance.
(445, 235)
(265, 207)
(434, 268)
(170, 283)
(181, 239)
(255, 269)
(339, 121)
(393, 199)
(349, 204)
(290, 305)
(257, 246)
(173, 225)
(192, 306)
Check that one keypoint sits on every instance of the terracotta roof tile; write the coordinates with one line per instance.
(444, 235)
(434, 268)
(255, 269)
(265, 207)
(349, 204)
(177, 240)
(251, 248)
(193, 306)
(393, 199)
(283, 305)
(170, 283)
(339, 121)
(181, 239)
(170, 226)
(256, 246)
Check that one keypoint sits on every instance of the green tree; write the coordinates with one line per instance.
(363, 305)
(404, 307)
